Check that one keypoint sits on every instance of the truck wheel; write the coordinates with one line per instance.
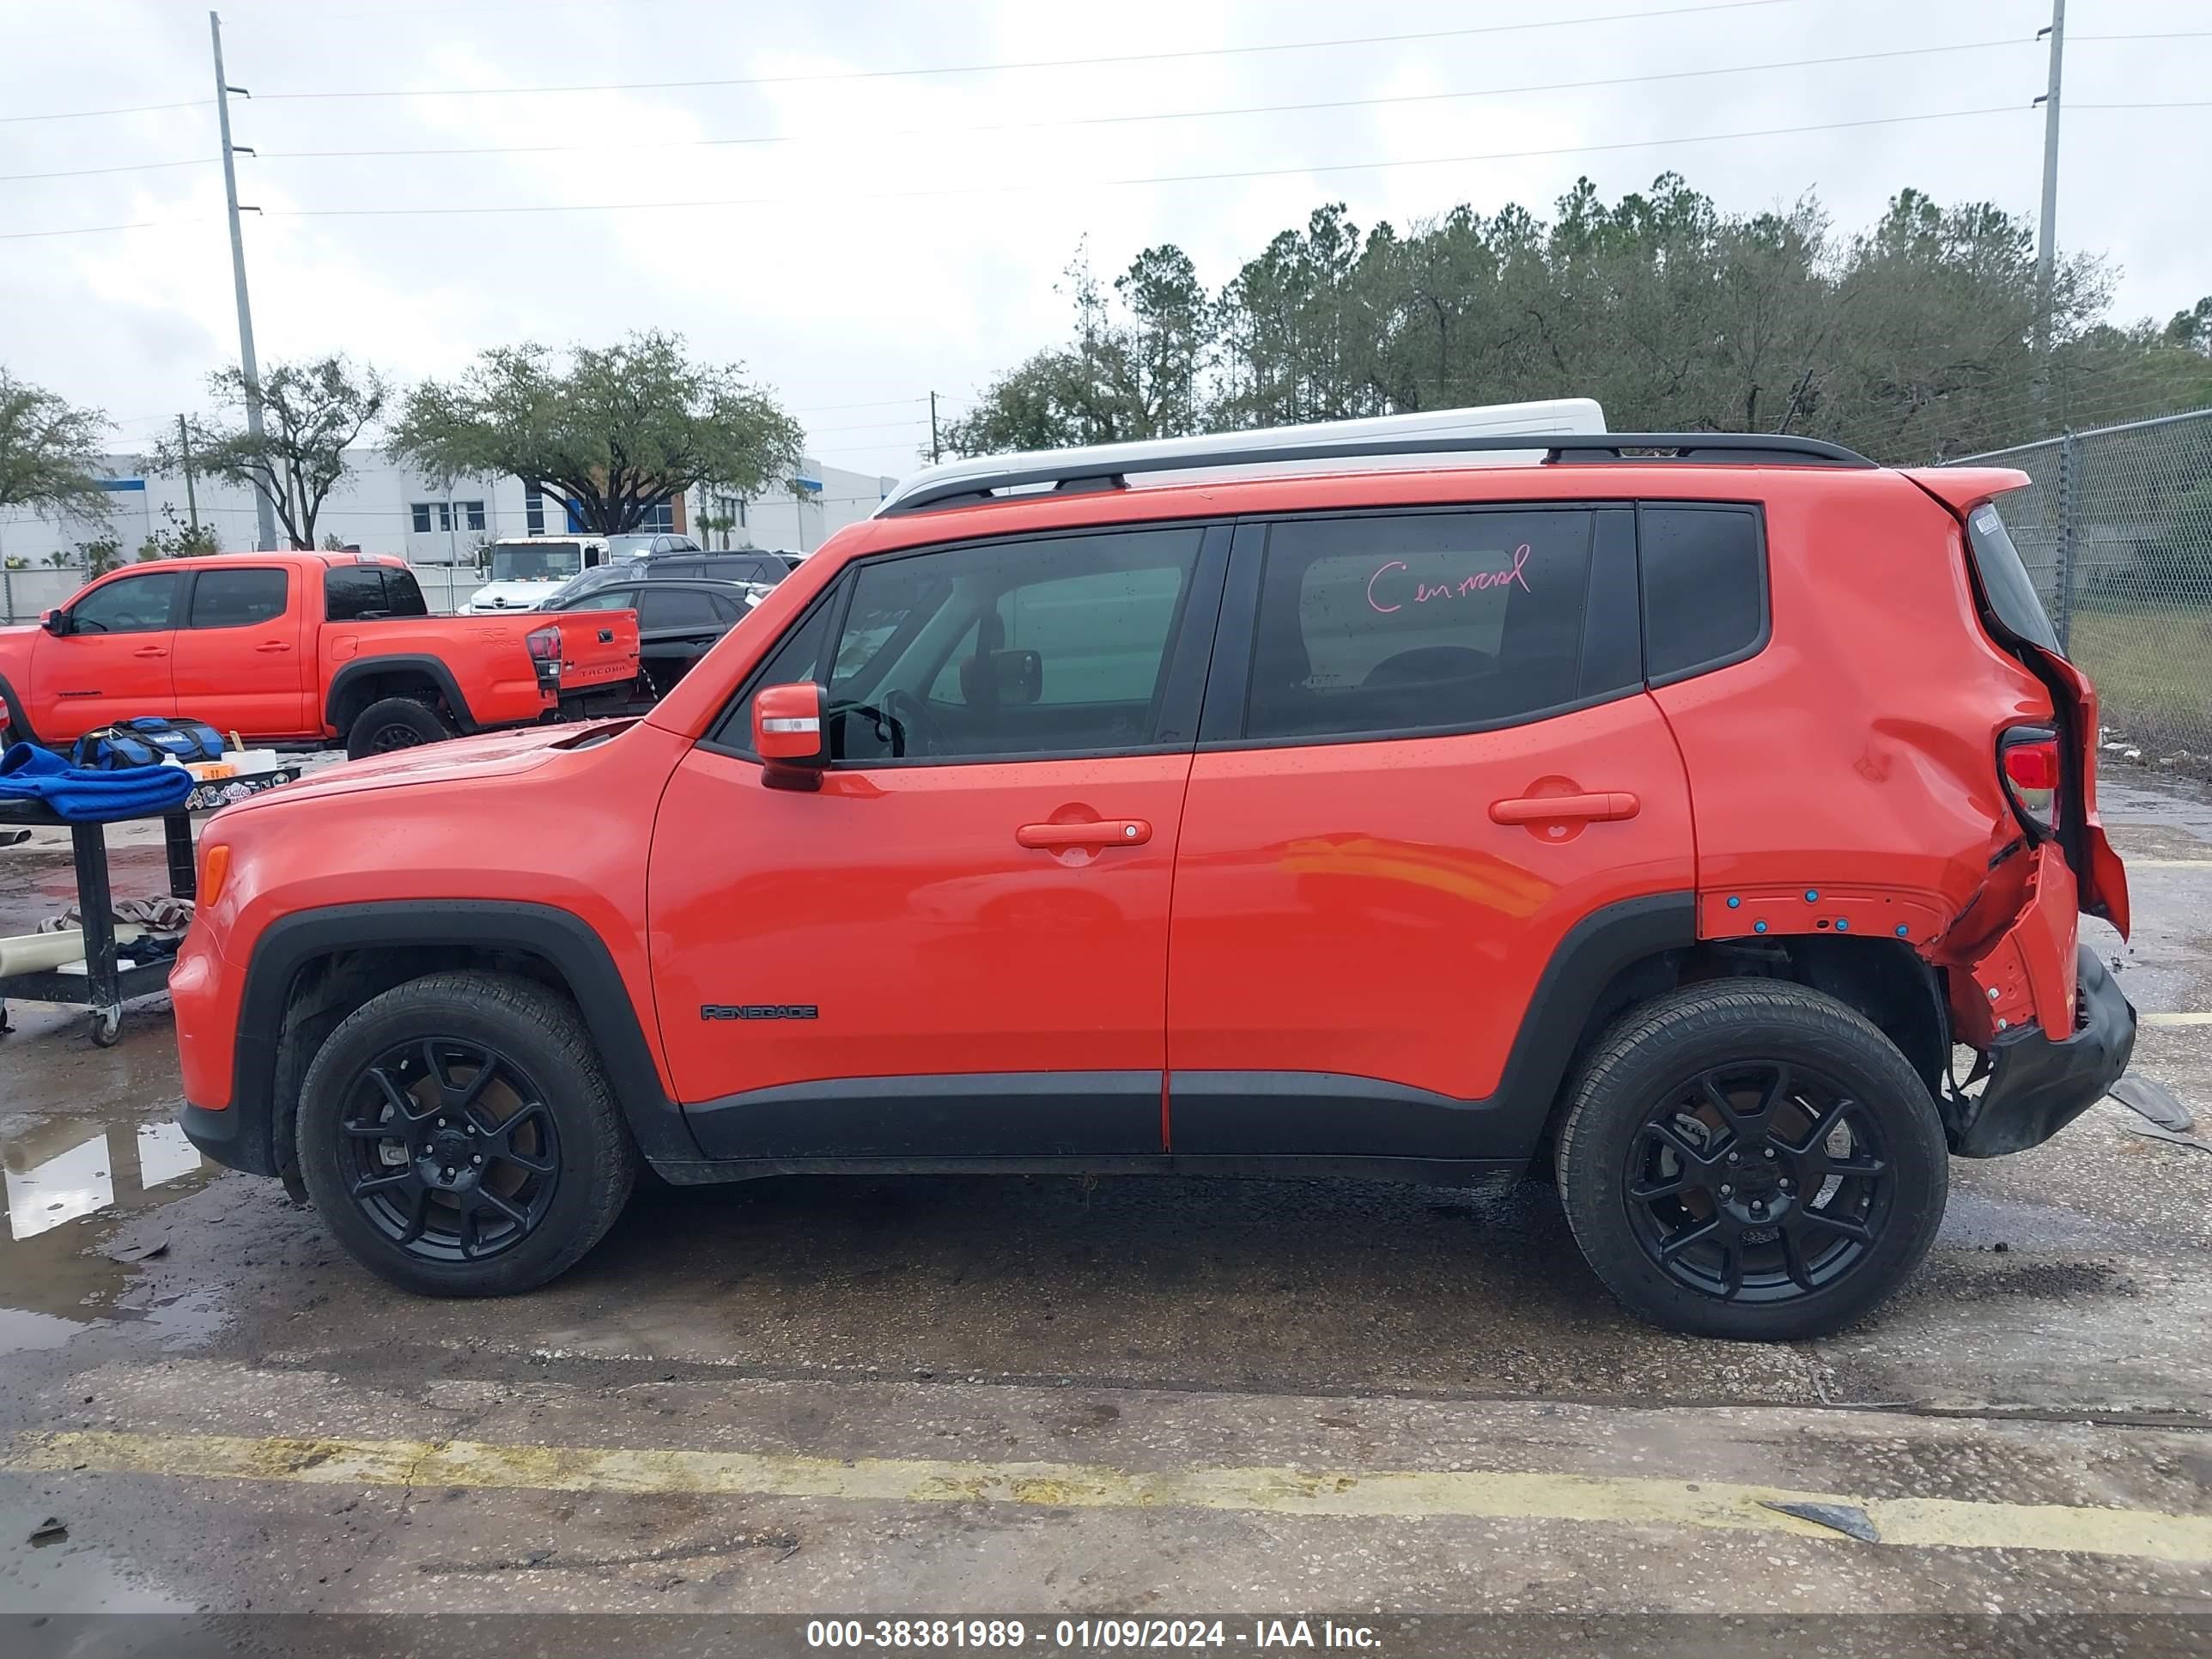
(1751, 1160)
(394, 723)
(459, 1138)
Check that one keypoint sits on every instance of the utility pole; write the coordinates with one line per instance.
(934, 451)
(2046, 247)
(265, 515)
(191, 496)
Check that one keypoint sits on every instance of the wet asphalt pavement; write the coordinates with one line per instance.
(983, 1396)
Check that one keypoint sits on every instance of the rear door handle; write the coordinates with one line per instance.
(273, 645)
(1602, 808)
(1099, 832)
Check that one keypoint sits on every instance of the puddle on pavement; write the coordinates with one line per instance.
(70, 1180)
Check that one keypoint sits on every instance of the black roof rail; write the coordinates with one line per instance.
(1071, 475)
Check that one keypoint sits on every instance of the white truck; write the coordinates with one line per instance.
(524, 569)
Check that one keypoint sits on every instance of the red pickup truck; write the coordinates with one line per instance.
(288, 646)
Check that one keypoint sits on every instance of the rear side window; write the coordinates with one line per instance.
(1705, 587)
(402, 595)
(237, 598)
(2005, 579)
(370, 592)
(1417, 622)
(677, 607)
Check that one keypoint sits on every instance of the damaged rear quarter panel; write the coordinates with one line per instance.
(1857, 753)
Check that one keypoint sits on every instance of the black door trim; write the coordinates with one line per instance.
(982, 1115)
(1322, 1115)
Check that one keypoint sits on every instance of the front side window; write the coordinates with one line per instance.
(129, 604)
(237, 598)
(1417, 622)
(1049, 647)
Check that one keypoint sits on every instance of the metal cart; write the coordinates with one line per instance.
(102, 988)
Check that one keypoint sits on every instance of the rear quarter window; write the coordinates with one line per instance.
(1705, 587)
(2005, 581)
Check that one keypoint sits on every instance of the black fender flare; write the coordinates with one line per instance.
(18, 716)
(243, 1134)
(362, 668)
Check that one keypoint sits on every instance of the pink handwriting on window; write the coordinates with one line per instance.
(1423, 593)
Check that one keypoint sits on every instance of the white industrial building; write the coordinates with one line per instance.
(381, 507)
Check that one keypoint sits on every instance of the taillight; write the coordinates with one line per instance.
(545, 644)
(2028, 757)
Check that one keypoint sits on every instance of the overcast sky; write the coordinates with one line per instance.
(892, 219)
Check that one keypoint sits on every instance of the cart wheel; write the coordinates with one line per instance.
(106, 1027)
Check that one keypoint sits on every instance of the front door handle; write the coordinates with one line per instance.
(1099, 832)
(1601, 808)
(150, 651)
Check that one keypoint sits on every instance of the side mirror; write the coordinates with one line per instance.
(54, 621)
(1020, 677)
(791, 736)
(1002, 679)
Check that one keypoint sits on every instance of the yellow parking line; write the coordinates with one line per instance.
(2167, 864)
(1915, 1522)
(2175, 1019)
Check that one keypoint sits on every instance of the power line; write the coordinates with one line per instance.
(1047, 63)
(1173, 178)
(1165, 115)
(880, 403)
(907, 424)
(87, 114)
(1101, 184)
(97, 230)
(87, 173)
(985, 69)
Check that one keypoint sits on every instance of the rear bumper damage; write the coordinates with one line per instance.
(2039, 1084)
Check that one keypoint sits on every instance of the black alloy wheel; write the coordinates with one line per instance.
(452, 1151)
(1751, 1158)
(1759, 1182)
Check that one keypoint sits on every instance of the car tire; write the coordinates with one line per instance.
(395, 1105)
(1702, 1186)
(394, 723)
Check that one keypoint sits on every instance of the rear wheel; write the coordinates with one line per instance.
(393, 724)
(1752, 1159)
(459, 1135)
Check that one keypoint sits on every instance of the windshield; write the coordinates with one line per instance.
(536, 561)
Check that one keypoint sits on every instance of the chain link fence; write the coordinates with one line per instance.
(2116, 530)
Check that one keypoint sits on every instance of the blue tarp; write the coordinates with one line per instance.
(30, 772)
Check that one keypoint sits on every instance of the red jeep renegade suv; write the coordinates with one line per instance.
(1663, 811)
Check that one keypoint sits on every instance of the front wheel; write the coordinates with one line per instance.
(459, 1137)
(1751, 1160)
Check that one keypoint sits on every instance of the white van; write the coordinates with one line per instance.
(524, 569)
